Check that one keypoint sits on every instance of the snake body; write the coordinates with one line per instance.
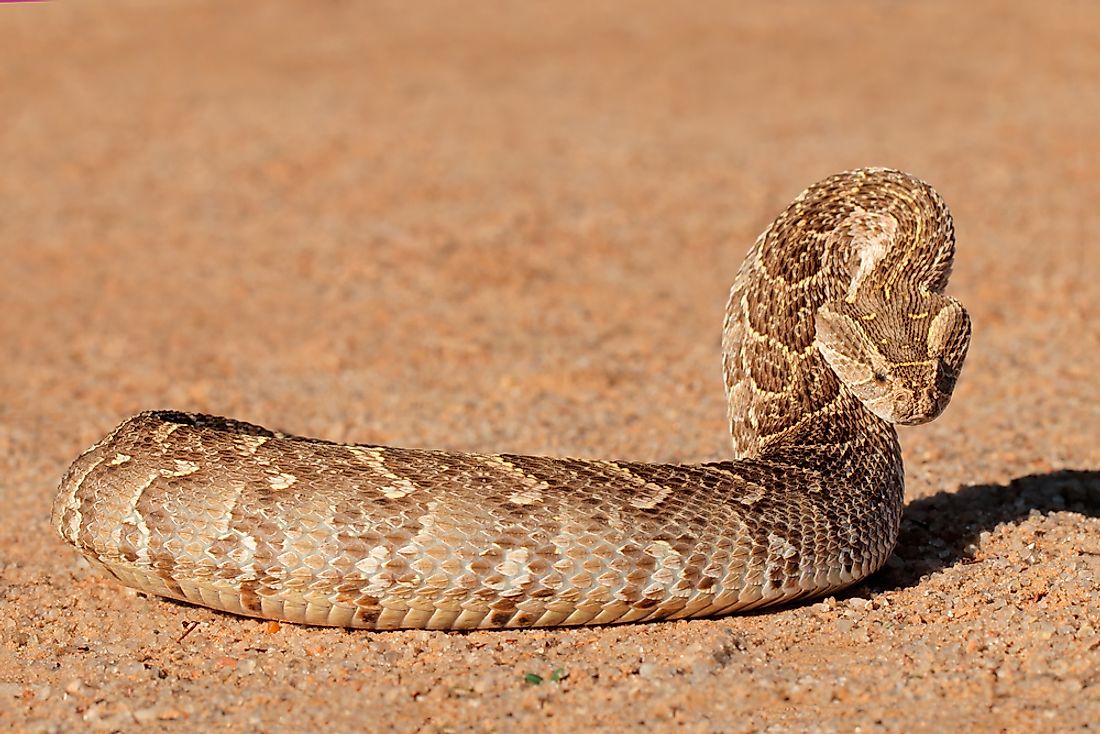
(836, 328)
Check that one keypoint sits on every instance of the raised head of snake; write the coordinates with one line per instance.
(898, 350)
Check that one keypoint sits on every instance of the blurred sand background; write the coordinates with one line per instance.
(512, 227)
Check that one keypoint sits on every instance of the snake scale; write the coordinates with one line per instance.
(837, 328)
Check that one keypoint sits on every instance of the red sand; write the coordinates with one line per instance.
(513, 228)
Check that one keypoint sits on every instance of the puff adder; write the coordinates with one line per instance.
(837, 328)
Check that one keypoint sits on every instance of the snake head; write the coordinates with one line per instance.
(899, 352)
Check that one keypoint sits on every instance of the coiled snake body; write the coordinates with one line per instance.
(836, 328)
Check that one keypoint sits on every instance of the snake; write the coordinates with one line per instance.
(837, 328)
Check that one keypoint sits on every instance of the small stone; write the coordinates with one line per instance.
(11, 690)
(132, 669)
(146, 715)
(75, 687)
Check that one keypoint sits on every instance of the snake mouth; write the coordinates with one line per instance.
(924, 409)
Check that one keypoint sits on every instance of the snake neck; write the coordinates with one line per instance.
(851, 233)
(849, 450)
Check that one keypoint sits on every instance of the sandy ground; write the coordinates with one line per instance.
(509, 228)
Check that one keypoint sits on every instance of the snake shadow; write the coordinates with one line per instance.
(942, 530)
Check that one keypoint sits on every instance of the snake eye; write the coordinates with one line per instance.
(880, 376)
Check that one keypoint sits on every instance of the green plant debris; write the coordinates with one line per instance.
(558, 674)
